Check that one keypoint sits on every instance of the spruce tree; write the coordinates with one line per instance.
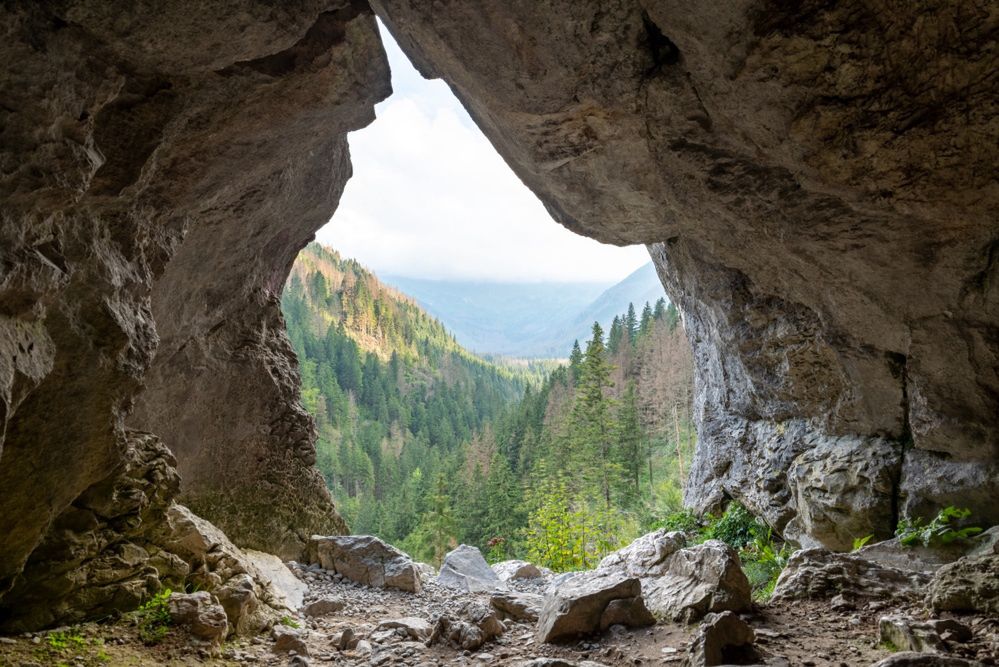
(631, 324)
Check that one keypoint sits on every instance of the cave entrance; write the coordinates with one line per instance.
(439, 291)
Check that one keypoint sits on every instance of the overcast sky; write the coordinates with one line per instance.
(431, 198)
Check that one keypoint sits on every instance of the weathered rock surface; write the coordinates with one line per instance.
(815, 183)
(577, 607)
(836, 273)
(289, 639)
(820, 574)
(970, 584)
(288, 590)
(323, 607)
(722, 639)
(517, 605)
(366, 560)
(683, 583)
(476, 624)
(417, 628)
(892, 553)
(464, 568)
(907, 634)
(161, 168)
(200, 614)
(516, 569)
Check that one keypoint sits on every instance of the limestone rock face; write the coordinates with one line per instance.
(818, 201)
(366, 560)
(161, 168)
(822, 574)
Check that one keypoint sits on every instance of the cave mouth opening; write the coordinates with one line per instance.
(432, 213)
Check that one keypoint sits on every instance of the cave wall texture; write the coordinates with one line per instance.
(816, 183)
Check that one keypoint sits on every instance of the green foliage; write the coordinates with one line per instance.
(63, 639)
(737, 527)
(763, 559)
(154, 618)
(944, 529)
(860, 542)
(289, 622)
(427, 445)
(683, 520)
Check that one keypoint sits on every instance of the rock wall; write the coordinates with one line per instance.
(816, 183)
(159, 169)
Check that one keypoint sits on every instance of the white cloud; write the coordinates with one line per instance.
(431, 198)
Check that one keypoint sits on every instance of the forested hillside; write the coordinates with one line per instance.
(427, 445)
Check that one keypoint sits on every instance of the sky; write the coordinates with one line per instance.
(431, 198)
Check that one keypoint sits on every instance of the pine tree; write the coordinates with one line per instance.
(615, 336)
(575, 361)
(629, 438)
(631, 324)
(592, 423)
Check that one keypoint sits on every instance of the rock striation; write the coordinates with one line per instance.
(818, 200)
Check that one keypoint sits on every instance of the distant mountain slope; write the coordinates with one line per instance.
(527, 319)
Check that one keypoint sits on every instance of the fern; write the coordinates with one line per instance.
(943, 530)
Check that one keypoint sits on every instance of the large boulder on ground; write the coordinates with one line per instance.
(578, 606)
(464, 568)
(201, 614)
(288, 589)
(415, 628)
(722, 639)
(704, 578)
(288, 639)
(901, 633)
(970, 584)
(366, 560)
(516, 605)
(517, 569)
(476, 625)
(680, 582)
(248, 596)
(648, 556)
(820, 574)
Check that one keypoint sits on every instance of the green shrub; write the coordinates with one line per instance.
(943, 530)
(737, 527)
(763, 560)
(682, 520)
(859, 542)
(154, 618)
(290, 622)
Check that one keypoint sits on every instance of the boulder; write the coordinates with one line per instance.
(722, 639)
(516, 605)
(427, 571)
(289, 590)
(477, 625)
(366, 560)
(970, 584)
(630, 612)
(416, 628)
(516, 569)
(704, 578)
(323, 607)
(680, 582)
(289, 639)
(577, 606)
(648, 556)
(916, 558)
(906, 634)
(200, 614)
(822, 574)
(913, 659)
(464, 568)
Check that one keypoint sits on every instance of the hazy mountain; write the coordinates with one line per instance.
(527, 319)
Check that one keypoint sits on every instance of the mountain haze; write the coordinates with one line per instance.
(527, 319)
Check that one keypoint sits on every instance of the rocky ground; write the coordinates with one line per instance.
(380, 626)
